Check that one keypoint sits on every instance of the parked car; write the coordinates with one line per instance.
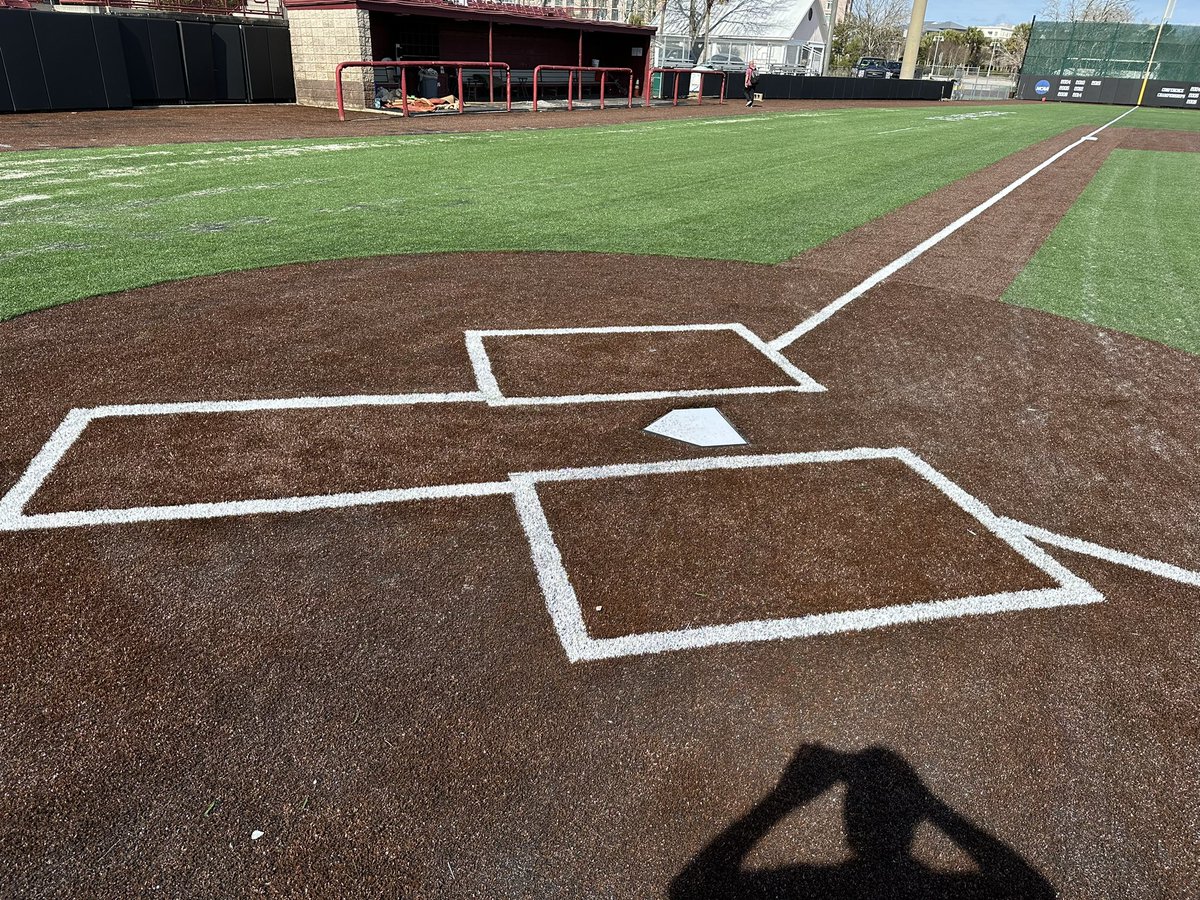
(870, 67)
(726, 61)
(893, 67)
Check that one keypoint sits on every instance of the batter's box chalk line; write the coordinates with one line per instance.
(566, 612)
(561, 601)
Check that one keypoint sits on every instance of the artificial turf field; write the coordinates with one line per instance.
(360, 576)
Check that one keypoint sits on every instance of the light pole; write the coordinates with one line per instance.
(936, 46)
(1167, 13)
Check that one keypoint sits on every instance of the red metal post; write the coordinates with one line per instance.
(403, 91)
(571, 72)
(337, 77)
(677, 72)
(461, 105)
(491, 71)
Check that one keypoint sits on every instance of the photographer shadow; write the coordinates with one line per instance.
(885, 803)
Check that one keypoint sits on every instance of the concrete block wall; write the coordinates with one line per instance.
(322, 38)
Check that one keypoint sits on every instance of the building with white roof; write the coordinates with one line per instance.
(793, 35)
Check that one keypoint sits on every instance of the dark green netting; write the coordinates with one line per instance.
(1113, 50)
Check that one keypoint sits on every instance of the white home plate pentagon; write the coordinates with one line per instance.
(704, 427)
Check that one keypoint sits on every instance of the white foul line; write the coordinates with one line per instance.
(1117, 557)
(789, 337)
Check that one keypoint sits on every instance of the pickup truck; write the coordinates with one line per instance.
(870, 67)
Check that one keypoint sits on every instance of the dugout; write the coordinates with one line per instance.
(327, 32)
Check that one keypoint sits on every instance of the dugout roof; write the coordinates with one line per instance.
(478, 11)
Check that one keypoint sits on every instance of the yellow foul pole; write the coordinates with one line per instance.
(1167, 13)
(912, 44)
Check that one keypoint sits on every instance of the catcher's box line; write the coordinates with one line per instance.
(485, 377)
(789, 337)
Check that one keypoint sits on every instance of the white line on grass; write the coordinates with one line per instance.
(789, 337)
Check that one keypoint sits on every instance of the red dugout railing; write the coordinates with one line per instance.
(675, 95)
(404, 65)
(571, 70)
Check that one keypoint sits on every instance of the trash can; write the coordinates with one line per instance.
(429, 83)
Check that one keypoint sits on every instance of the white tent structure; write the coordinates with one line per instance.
(780, 35)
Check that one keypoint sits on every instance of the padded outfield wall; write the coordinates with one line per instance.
(1104, 62)
(61, 61)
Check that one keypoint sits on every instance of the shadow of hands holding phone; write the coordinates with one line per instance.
(886, 802)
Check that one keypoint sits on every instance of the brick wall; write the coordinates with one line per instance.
(322, 38)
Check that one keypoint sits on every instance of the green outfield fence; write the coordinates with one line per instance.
(1113, 50)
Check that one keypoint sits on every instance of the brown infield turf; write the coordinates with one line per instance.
(380, 690)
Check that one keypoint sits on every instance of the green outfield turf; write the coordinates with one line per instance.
(762, 188)
(1126, 256)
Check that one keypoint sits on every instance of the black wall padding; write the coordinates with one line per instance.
(258, 62)
(167, 52)
(71, 63)
(283, 85)
(197, 42)
(22, 62)
(112, 62)
(791, 87)
(1117, 91)
(139, 62)
(229, 62)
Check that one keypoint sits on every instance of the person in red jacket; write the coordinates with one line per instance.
(751, 80)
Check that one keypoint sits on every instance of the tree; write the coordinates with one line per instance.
(700, 17)
(878, 24)
(1012, 53)
(870, 28)
(847, 47)
(974, 40)
(1089, 11)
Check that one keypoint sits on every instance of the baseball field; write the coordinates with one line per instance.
(338, 559)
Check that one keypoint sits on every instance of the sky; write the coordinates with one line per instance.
(993, 12)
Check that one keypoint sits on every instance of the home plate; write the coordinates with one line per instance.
(704, 427)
